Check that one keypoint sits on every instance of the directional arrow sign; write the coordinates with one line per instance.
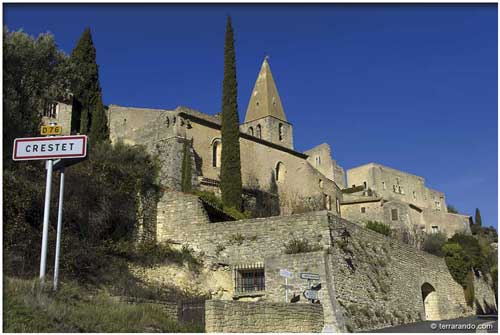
(311, 294)
(36, 148)
(310, 276)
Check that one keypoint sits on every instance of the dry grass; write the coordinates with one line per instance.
(28, 308)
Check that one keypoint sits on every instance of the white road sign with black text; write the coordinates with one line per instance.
(36, 148)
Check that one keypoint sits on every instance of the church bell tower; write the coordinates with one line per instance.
(265, 117)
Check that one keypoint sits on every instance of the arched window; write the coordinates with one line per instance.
(216, 153)
(321, 183)
(281, 131)
(280, 172)
(258, 130)
(250, 131)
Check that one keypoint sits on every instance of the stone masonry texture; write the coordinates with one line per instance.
(262, 317)
(368, 280)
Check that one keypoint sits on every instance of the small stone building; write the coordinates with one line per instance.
(400, 199)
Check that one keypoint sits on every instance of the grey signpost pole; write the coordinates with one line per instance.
(46, 212)
(286, 289)
(59, 228)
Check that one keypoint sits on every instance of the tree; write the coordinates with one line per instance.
(186, 169)
(452, 209)
(35, 73)
(478, 220)
(472, 249)
(457, 261)
(99, 130)
(230, 176)
(86, 89)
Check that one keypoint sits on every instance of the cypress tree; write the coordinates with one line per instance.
(186, 169)
(478, 220)
(230, 175)
(85, 85)
(99, 130)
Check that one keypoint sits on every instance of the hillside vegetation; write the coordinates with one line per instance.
(105, 197)
(28, 308)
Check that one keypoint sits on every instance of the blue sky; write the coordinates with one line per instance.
(412, 87)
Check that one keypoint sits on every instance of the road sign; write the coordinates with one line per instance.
(311, 294)
(36, 148)
(285, 273)
(51, 130)
(309, 276)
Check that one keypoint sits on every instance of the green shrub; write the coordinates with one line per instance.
(472, 250)
(105, 197)
(238, 215)
(216, 202)
(379, 227)
(433, 243)
(237, 239)
(457, 261)
(298, 245)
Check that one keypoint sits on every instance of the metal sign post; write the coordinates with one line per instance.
(59, 228)
(69, 150)
(311, 293)
(46, 212)
(287, 274)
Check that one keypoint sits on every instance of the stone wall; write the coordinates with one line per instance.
(161, 132)
(447, 223)
(312, 262)
(236, 242)
(171, 308)
(262, 317)
(369, 282)
(320, 157)
(379, 281)
(484, 296)
(409, 224)
(178, 214)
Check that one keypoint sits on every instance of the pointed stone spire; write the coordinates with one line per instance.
(265, 100)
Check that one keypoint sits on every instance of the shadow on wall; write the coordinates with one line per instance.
(259, 202)
(488, 309)
(198, 163)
